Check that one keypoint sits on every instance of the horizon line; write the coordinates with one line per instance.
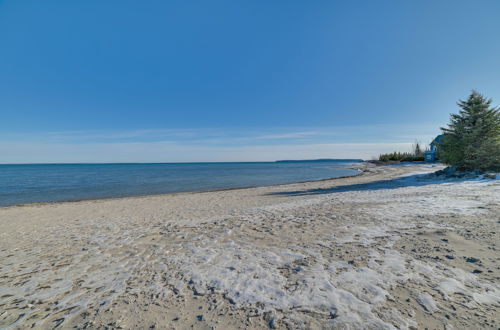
(198, 162)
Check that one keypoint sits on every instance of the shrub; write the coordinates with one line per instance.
(400, 157)
(416, 155)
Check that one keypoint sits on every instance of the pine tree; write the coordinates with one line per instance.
(472, 138)
(417, 149)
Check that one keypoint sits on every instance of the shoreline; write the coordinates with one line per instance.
(360, 172)
(387, 248)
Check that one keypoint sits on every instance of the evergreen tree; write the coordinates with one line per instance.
(472, 138)
(417, 149)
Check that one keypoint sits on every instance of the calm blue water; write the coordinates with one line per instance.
(21, 184)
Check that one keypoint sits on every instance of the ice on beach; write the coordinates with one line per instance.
(285, 280)
(483, 294)
(272, 279)
(406, 196)
(249, 277)
(427, 302)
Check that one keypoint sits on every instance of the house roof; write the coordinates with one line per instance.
(437, 140)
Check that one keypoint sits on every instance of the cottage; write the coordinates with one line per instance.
(431, 155)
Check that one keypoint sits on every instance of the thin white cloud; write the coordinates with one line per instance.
(24, 152)
(229, 144)
(293, 135)
(382, 132)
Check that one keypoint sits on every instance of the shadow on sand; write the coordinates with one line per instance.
(407, 181)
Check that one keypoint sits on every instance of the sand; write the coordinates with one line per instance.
(391, 248)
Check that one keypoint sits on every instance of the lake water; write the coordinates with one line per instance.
(20, 184)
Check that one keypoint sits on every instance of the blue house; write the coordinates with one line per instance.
(431, 155)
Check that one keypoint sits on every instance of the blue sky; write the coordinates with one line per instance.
(105, 81)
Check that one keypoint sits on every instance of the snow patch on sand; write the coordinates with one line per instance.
(283, 280)
(286, 280)
(427, 302)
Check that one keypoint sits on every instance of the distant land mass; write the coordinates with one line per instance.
(319, 160)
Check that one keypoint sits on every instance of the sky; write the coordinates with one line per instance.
(175, 81)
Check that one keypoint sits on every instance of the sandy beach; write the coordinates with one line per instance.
(391, 248)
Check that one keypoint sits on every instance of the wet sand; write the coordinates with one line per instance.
(389, 248)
